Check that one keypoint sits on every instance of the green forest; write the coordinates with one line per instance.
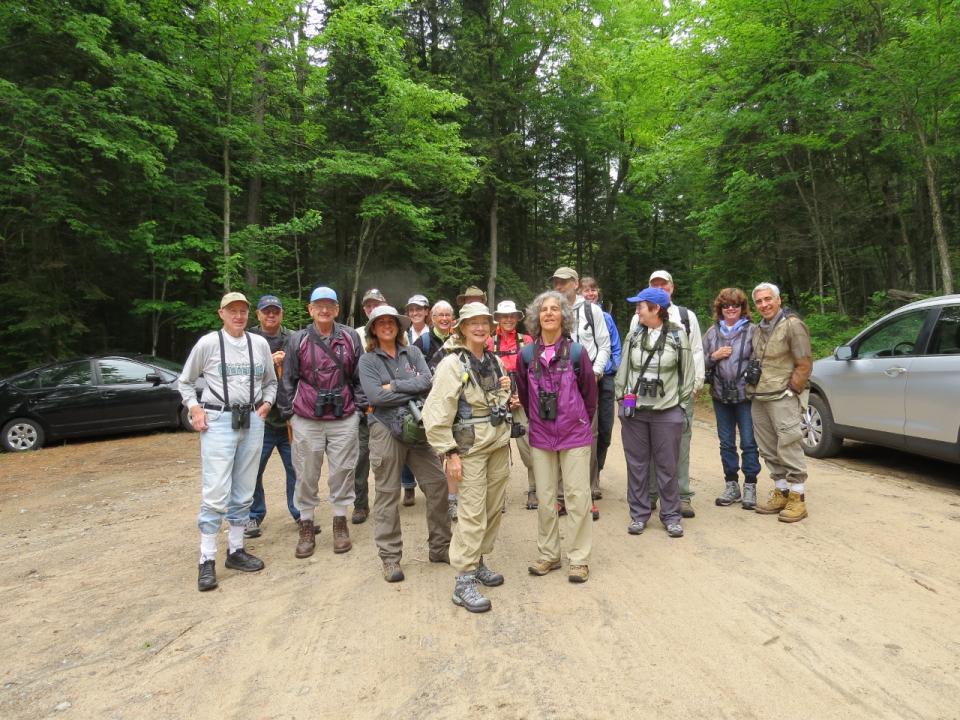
(154, 154)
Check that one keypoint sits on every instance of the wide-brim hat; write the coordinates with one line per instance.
(507, 307)
(387, 311)
(657, 296)
(373, 294)
(472, 294)
(472, 310)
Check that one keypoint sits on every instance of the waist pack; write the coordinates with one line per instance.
(407, 425)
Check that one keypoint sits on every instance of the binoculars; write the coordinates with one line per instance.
(498, 415)
(329, 399)
(728, 392)
(651, 387)
(752, 372)
(547, 405)
(240, 416)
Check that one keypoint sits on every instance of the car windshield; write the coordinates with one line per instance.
(164, 363)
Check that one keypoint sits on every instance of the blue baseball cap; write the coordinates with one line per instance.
(324, 293)
(652, 295)
(266, 301)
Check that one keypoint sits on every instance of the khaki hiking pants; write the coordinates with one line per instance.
(777, 430)
(574, 465)
(479, 507)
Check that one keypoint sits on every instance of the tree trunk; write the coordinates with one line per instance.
(226, 194)
(936, 214)
(494, 228)
(255, 183)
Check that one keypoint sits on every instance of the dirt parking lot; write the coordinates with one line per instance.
(852, 613)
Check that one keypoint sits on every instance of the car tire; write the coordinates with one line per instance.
(21, 435)
(820, 438)
(185, 420)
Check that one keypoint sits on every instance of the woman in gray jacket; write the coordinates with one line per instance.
(727, 348)
(394, 375)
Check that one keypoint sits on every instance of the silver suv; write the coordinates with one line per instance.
(897, 384)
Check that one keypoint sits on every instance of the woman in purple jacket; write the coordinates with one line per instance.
(558, 391)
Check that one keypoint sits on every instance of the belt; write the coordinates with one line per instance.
(472, 421)
(221, 408)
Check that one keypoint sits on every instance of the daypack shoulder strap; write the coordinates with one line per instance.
(684, 318)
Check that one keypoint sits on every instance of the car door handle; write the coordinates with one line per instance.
(894, 371)
(108, 394)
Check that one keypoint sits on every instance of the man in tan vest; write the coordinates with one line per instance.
(781, 345)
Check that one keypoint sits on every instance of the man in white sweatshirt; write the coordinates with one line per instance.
(241, 387)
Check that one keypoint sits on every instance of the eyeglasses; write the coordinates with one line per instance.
(730, 307)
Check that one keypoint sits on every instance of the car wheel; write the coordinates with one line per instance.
(820, 437)
(185, 420)
(22, 434)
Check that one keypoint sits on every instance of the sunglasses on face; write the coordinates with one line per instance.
(730, 307)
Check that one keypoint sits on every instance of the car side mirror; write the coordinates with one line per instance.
(154, 378)
(844, 352)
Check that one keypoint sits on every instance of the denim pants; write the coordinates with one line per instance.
(274, 437)
(407, 480)
(731, 416)
(228, 459)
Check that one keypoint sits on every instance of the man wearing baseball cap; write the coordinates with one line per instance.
(590, 330)
(241, 387)
(275, 432)
(321, 396)
(685, 317)
(371, 300)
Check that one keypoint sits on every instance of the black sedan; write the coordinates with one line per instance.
(89, 396)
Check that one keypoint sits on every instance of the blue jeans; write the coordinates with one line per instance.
(228, 460)
(274, 437)
(729, 418)
(407, 480)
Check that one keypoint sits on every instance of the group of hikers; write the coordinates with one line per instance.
(435, 397)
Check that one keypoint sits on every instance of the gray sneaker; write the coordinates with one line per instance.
(252, 528)
(749, 501)
(636, 527)
(486, 576)
(466, 594)
(675, 530)
(730, 494)
(452, 511)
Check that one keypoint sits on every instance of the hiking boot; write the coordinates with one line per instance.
(409, 497)
(442, 556)
(749, 501)
(596, 494)
(675, 530)
(252, 528)
(561, 507)
(452, 510)
(578, 573)
(542, 567)
(360, 515)
(686, 509)
(532, 502)
(595, 511)
(207, 579)
(243, 561)
(316, 528)
(466, 594)
(341, 536)
(636, 527)
(796, 508)
(306, 543)
(775, 502)
(486, 576)
(730, 494)
(392, 572)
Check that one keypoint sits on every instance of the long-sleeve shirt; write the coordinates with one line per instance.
(663, 365)
(694, 337)
(204, 361)
(591, 333)
(410, 379)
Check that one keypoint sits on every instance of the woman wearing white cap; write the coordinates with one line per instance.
(395, 377)
(506, 344)
(465, 420)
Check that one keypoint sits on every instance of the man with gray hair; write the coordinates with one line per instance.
(777, 382)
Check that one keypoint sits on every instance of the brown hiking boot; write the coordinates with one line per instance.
(542, 567)
(578, 573)
(306, 543)
(796, 508)
(341, 536)
(775, 502)
(392, 572)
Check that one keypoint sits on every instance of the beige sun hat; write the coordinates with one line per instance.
(233, 297)
(472, 294)
(472, 310)
(387, 311)
(507, 307)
